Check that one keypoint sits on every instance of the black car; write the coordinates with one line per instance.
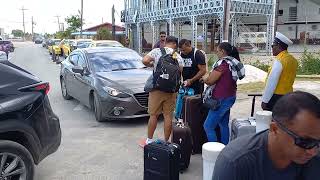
(110, 80)
(38, 41)
(29, 130)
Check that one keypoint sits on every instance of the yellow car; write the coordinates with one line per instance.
(54, 46)
(105, 43)
(65, 46)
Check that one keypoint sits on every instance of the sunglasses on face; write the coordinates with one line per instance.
(304, 143)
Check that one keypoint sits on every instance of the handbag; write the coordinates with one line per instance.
(209, 101)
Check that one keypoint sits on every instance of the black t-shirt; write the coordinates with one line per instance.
(247, 158)
(190, 68)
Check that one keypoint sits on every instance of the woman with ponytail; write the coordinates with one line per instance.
(223, 78)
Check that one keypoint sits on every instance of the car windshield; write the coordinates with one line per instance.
(115, 61)
(83, 44)
(109, 44)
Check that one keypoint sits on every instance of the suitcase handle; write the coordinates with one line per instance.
(254, 95)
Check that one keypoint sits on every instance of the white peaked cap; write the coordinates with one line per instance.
(283, 39)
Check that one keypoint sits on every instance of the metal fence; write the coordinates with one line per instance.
(249, 40)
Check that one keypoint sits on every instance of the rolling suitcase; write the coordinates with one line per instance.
(181, 135)
(161, 161)
(194, 116)
(244, 126)
(183, 91)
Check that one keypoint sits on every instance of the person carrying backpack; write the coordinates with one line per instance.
(195, 66)
(167, 67)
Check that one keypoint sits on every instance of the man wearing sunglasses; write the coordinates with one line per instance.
(282, 74)
(289, 150)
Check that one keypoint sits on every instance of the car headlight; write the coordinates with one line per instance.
(115, 93)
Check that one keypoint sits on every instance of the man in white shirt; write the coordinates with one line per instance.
(161, 102)
(282, 74)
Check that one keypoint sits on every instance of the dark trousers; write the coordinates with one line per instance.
(273, 101)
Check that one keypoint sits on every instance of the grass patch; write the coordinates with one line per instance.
(251, 87)
(260, 65)
(309, 63)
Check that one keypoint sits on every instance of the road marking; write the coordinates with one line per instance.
(79, 107)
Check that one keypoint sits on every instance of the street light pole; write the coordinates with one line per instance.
(81, 18)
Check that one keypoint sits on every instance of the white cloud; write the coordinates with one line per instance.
(44, 12)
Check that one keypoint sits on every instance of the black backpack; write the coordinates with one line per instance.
(167, 75)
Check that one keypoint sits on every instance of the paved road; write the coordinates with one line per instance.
(101, 151)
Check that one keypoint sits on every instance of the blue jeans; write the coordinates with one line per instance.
(219, 117)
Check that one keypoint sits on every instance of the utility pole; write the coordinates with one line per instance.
(81, 18)
(32, 25)
(58, 18)
(24, 27)
(113, 24)
(227, 5)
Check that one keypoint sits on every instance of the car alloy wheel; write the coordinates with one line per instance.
(64, 90)
(12, 167)
(16, 162)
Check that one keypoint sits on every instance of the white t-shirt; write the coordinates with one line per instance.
(156, 54)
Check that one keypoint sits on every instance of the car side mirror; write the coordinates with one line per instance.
(78, 69)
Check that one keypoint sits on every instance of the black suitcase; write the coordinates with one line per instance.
(194, 116)
(161, 161)
(181, 135)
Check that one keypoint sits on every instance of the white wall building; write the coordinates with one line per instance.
(295, 18)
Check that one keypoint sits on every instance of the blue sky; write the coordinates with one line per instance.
(44, 12)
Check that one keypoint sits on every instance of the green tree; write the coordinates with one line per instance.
(63, 34)
(103, 34)
(17, 33)
(74, 23)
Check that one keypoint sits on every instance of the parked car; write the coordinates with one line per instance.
(53, 46)
(29, 129)
(105, 43)
(38, 41)
(110, 80)
(80, 43)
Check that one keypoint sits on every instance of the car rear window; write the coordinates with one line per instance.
(115, 61)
